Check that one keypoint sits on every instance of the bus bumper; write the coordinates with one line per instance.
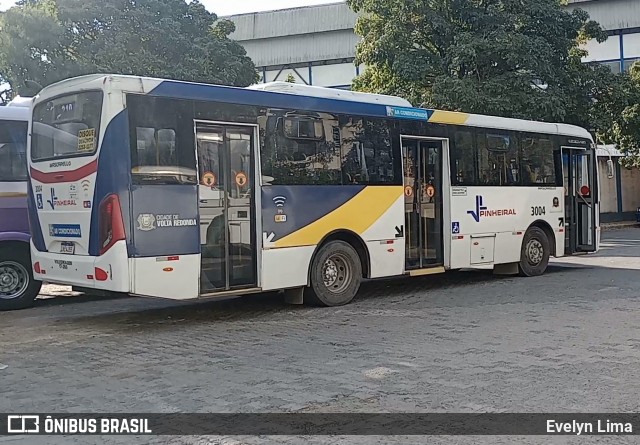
(108, 272)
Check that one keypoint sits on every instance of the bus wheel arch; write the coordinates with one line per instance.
(355, 241)
(337, 268)
(18, 289)
(551, 236)
(538, 244)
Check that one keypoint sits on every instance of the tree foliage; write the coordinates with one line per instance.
(619, 113)
(44, 41)
(515, 58)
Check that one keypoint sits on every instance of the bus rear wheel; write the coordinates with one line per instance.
(336, 274)
(534, 255)
(18, 289)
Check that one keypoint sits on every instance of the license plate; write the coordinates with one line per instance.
(67, 247)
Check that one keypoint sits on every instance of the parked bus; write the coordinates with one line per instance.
(180, 190)
(18, 289)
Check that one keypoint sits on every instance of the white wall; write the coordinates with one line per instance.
(610, 49)
(607, 50)
(330, 75)
(608, 189)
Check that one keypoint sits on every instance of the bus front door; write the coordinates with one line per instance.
(422, 163)
(581, 197)
(226, 178)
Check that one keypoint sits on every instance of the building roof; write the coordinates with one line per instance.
(606, 151)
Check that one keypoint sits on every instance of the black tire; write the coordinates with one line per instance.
(336, 274)
(534, 254)
(18, 289)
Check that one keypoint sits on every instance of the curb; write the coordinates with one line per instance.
(620, 225)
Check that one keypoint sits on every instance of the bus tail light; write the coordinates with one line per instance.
(101, 275)
(111, 224)
(36, 267)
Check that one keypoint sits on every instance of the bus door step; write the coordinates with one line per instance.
(427, 271)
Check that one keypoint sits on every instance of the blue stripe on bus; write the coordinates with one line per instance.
(113, 176)
(165, 220)
(242, 96)
(34, 222)
(298, 206)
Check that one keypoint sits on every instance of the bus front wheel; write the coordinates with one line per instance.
(336, 274)
(534, 255)
(18, 289)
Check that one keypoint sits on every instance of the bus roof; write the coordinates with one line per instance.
(316, 99)
(20, 101)
(15, 113)
(330, 93)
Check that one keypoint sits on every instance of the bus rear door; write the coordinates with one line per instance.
(581, 199)
(226, 158)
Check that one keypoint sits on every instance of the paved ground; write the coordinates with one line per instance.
(461, 342)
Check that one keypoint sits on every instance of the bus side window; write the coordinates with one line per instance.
(498, 159)
(299, 149)
(145, 145)
(538, 166)
(13, 141)
(463, 167)
(161, 141)
(367, 153)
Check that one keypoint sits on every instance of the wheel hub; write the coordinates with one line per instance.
(14, 280)
(336, 273)
(330, 273)
(535, 252)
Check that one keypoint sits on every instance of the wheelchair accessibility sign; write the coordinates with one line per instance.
(455, 227)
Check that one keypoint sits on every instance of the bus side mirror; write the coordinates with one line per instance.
(610, 169)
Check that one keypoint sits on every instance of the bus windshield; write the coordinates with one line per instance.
(13, 142)
(66, 126)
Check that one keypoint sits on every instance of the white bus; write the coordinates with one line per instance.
(180, 190)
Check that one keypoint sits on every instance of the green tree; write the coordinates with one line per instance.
(45, 41)
(515, 58)
(290, 78)
(618, 112)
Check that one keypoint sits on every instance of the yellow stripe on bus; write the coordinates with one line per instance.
(13, 195)
(449, 117)
(357, 215)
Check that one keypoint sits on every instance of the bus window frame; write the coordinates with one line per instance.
(134, 172)
(25, 178)
(301, 118)
(555, 153)
(76, 154)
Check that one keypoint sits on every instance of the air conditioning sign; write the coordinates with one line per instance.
(65, 230)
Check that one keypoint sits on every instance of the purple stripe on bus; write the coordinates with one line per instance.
(13, 202)
(14, 217)
(14, 236)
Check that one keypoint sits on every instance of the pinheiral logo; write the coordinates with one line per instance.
(482, 210)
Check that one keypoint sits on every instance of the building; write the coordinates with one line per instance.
(621, 20)
(316, 45)
(619, 187)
